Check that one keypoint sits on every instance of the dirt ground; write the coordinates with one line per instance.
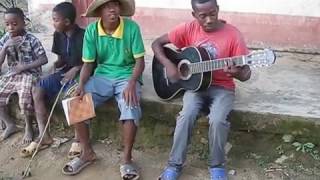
(252, 157)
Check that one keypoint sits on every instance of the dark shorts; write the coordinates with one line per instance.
(52, 84)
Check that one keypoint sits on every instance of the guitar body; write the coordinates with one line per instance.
(195, 69)
(167, 90)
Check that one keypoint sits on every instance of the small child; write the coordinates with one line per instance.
(25, 55)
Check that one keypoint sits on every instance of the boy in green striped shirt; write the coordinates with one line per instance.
(115, 45)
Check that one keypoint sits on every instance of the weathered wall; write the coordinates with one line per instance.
(281, 24)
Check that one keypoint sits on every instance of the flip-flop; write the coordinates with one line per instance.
(129, 172)
(169, 174)
(75, 166)
(75, 150)
(218, 174)
(31, 148)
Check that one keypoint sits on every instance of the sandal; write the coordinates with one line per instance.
(75, 150)
(218, 174)
(129, 172)
(75, 166)
(169, 174)
(31, 148)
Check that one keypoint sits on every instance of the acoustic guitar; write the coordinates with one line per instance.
(195, 69)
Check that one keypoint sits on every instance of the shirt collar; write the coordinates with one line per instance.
(118, 33)
(75, 31)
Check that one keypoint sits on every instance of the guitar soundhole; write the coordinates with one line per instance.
(184, 69)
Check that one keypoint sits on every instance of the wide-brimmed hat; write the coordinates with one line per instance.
(127, 7)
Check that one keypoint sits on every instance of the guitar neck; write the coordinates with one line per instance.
(217, 64)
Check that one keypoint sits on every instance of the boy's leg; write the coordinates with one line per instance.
(68, 93)
(11, 127)
(101, 90)
(82, 130)
(219, 126)
(41, 113)
(45, 88)
(129, 130)
(192, 104)
(28, 135)
(7, 87)
(129, 118)
(75, 149)
(24, 90)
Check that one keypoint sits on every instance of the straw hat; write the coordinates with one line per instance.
(127, 7)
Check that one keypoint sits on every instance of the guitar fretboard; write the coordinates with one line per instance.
(211, 65)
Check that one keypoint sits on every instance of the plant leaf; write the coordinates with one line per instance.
(296, 144)
(309, 145)
(298, 148)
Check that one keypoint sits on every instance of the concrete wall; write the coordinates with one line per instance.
(38, 4)
(284, 7)
(282, 24)
(40, 12)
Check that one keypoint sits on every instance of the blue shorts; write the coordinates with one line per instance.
(102, 89)
(52, 84)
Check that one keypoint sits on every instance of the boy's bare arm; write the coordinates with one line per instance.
(2, 55)
(138, 69)
(157, 47)
(59, 63)
(24, 67)
(10, 42)
(42, 60)
(130, 94)
(71, 73)
(85, 74)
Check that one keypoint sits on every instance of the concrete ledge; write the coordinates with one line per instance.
(158, 122)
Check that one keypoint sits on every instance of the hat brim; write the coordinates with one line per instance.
(127, 8)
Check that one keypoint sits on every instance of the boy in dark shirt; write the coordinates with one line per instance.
(67, 45)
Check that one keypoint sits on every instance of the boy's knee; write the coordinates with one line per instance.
(190, 111)
(218, 121)
(37, 94)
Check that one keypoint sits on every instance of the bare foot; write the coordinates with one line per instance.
(90, 156)
(27, 138)
(10, 130)
(47, 140)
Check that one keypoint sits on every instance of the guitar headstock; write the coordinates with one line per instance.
(259, 58)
